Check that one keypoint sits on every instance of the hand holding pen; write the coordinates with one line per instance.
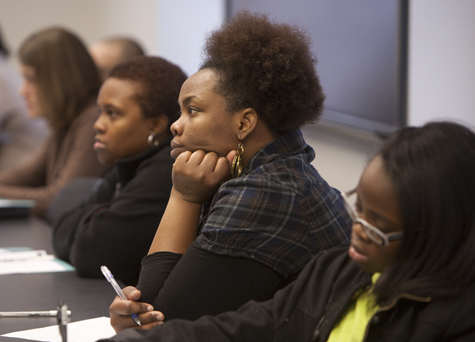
(118, 290)
(121, 310)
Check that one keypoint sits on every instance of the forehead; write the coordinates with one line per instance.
(375, 171)
(199, 84)
(105, 54)
(27, 70)
(377, 191)
(119, 89)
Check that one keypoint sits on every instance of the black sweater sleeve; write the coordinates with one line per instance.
(118, 232)
(65, 228)
(201, 282)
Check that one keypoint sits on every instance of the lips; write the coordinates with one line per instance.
(99, 145)
(355, 254)
(176, 149)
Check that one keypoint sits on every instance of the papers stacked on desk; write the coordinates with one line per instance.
(13, 261)
(15, 207)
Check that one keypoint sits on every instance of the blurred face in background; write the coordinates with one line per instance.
(106, 56)
(29, 91)
(121, 129)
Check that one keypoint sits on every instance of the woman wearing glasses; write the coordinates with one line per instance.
(408, 275)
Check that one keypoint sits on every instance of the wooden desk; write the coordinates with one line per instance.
(86, 298)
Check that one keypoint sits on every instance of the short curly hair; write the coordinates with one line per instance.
(160, 83)
(266, 66)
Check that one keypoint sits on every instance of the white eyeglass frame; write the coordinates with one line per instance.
(381, 238)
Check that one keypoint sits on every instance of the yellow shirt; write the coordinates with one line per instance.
(352, 326)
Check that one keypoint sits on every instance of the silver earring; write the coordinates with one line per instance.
(151, 140)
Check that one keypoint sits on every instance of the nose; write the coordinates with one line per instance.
(358, 230)
(22, 90)
(99, 126)
(176, 128)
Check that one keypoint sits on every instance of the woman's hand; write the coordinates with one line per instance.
(120, 311)
(197, 176)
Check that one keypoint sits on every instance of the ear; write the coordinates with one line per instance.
(159, 125)
(247, 123)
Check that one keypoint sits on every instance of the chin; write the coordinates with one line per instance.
(104, 159)
(33, 115)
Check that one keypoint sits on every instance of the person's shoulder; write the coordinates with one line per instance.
(163, 153)
(452, 316)
(291, 171)
(337, 255)
(86, 117)
(154, 169)
(159, 159)
(90, 112)
(463, 301)
(333, 262)
(82, 126)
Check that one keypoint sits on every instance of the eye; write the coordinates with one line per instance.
(193, 110)
(29, 79)
(111, 113)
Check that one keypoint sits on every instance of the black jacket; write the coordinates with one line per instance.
(308, 309)
(116, 225)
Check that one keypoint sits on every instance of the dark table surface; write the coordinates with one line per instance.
(86, 298)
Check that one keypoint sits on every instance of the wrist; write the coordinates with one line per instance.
(186, 198)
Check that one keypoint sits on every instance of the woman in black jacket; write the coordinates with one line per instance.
(407, 276)
(116, 225)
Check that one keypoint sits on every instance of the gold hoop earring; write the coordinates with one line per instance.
(236, 167)
(151, 141)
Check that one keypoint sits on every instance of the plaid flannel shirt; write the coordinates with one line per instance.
(279, 212)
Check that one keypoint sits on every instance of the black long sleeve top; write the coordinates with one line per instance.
(116, 225)
(199, 275)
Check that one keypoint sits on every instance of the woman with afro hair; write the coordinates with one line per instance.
(247, 209)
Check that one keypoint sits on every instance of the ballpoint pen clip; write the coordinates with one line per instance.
(63, 320)
(107, 274)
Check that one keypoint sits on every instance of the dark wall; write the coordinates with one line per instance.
(361, 47)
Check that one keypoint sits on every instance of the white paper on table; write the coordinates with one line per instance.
(29, 261)
(6, 256)
(89, 330)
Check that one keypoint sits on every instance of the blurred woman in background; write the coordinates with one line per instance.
(20, 136)
(60, 84)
